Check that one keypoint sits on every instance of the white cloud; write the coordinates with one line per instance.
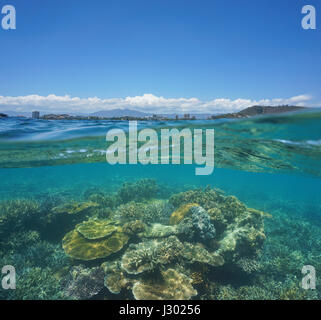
(145, 103)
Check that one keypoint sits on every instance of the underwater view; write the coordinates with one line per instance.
(76, 227)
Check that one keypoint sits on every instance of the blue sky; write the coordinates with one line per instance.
(159, 55)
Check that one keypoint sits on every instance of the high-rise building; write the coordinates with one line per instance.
(35, 115)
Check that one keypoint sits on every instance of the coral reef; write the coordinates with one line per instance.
(172, 286)
(17, 215)
(178, 215)
(239, 230)
(157, 230)
(153, 210)
(197, 226)
(143, 189)
(36, 284)
(150, 255)
(134, 228)
(199, 244)
(75, 207)
(140, 258)
(84, 283)
(116, 281)
(78, 247)
(194, 253)
(94, 229)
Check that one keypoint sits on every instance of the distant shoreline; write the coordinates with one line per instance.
(246, 113)
(258, 110)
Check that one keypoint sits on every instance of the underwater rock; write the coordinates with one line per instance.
(96, 229)
(172, 286)
(150, 255)
(196, 253)
(78, 247)
(178, 215)
(157, 230)
(85, 283)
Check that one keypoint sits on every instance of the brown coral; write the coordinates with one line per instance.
(78, 247)
(178, 215)
(172, 286)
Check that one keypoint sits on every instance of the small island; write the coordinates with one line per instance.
(2, 115)
(256, 111)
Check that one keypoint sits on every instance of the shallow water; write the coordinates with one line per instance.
(271, 163)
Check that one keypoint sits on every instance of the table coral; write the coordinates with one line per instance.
(75, 207)
(196, 253)
(172, 286)
(96, 229)
(78, 247)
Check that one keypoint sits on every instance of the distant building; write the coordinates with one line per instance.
(156, 117)
(35, 115)
(186, 116)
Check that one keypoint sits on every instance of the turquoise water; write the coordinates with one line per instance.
(271, 164)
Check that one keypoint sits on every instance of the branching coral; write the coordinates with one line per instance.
(151, 255)
(141, 190)
(149, 211)
(84, 283)
(17, 215)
